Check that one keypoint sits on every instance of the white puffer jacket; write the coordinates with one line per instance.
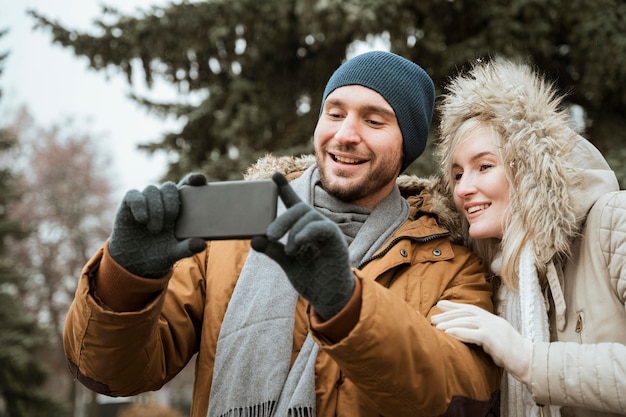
(585, 366)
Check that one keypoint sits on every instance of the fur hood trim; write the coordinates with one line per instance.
(556, 174)
(412, 187)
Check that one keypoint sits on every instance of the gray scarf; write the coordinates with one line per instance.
(252, 375)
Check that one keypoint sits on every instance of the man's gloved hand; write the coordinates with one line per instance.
(315, 257)
(471, 324)
(142, 240)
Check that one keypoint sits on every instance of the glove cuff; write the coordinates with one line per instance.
(327, 305)
(341, 324)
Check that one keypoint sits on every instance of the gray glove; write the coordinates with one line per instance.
(142, 240)
(315, 257)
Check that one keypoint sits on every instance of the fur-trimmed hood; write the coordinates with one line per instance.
(425, 194)
(556, 174)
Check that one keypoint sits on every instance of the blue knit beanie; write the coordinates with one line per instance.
(404, 84)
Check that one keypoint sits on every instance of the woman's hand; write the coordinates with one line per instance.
(472, 324)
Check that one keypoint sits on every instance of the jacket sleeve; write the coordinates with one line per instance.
(580, 375)
(403, 364)
(126, 353)
(592, 375)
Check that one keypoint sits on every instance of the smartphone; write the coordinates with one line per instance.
(226, 209)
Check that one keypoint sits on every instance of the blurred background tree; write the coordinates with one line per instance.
(255, 70)
(67, 203)
(23, 372)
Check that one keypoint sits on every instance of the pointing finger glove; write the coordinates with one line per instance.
(471, 324)
(315, 256)
(142, 240)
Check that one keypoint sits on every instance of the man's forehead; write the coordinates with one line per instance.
(360, 96)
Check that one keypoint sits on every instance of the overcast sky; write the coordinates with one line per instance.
(56, 85)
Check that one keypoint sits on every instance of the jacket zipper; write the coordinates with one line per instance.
(579, 323)
(423, 239)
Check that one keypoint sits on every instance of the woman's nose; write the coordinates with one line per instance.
(464, 186)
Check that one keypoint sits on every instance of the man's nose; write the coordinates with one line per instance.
(348, 131)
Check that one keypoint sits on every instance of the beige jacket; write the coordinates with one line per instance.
(587, 367)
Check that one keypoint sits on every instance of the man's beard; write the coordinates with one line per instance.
(377, 179)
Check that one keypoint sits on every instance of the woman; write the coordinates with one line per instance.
(542, 207)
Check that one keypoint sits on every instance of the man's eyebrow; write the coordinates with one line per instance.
(366, 107)
(379, 109)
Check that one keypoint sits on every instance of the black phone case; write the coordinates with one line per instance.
(226, 209)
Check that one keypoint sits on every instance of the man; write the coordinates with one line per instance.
(328, 314)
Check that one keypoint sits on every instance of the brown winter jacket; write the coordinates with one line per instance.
(379, 356)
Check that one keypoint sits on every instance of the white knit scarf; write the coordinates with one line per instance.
(526, 311)
(252, 376)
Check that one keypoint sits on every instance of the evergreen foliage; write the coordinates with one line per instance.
(260, 66)
(22, 372)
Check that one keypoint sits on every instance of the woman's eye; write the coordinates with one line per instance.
(485, 167)
(457, 176)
